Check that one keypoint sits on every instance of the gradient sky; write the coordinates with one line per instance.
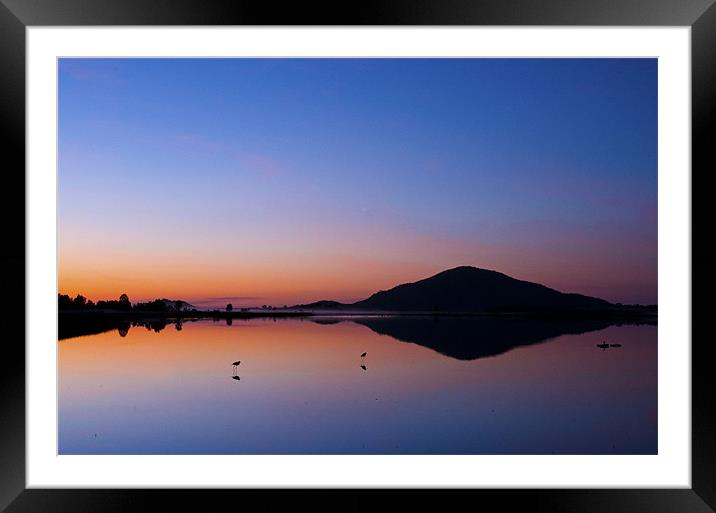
(278, 181)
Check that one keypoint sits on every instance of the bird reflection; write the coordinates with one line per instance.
(235, 366)
(364, 367)
(235, 377)
(362, 361)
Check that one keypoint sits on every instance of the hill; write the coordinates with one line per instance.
(323, 304)
(470, 289)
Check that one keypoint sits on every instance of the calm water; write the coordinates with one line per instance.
(465, 386)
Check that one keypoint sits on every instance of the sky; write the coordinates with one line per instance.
(284, 181)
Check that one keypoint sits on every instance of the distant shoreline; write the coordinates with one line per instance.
(75, 323)
(464, 291)
(614, 312)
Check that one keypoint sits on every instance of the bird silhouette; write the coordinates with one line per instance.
(236, 363)
(363, 355)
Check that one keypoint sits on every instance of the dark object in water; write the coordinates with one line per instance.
(236, 363)
(603, 346)
(615, 345)
(235, 377)
(363, 367)
(363, 355)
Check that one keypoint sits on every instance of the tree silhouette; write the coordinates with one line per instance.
(124, 303)
(152, 306)
(64, 302)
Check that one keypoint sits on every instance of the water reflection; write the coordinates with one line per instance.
(469, 338)
(235, 367)
(123, 330)
(431, 389)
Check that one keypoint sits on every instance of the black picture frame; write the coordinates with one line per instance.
(16, 15)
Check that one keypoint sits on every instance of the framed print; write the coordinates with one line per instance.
(420, 248)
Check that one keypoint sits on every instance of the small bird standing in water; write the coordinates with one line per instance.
(363, 355)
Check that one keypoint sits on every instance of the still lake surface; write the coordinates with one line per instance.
(426, 386)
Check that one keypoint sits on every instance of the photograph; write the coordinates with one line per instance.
(357, 256)
(323, 257)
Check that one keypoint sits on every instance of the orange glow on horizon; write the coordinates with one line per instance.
(324, 263)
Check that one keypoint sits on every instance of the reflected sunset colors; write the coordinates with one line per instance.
(302, 391)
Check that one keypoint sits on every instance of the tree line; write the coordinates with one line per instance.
(123, 304)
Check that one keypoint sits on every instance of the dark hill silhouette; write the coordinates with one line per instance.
(323, 304)
(470, 338)
(469, 289)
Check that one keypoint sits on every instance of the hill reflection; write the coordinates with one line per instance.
(470, 338)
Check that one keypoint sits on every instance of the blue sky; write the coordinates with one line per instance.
(545, 169)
